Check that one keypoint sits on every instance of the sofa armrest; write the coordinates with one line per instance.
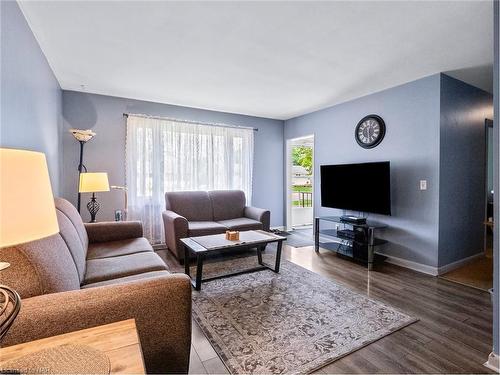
(176, 227)
(160, 306)
(259, 214)
(113, 230)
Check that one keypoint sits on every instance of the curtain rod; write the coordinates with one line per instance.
(190, 122)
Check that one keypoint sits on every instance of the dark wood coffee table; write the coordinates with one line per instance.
(204, 245)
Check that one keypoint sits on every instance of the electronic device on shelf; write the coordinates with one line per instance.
(352, 234)
(353, 219)
(346, 233)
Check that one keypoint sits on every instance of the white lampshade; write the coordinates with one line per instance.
(27, 210)
(93, 182)
(82, 135)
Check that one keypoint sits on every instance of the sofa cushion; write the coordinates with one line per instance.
(227, 204)
(141, 276)
(193, 205)
(204, 228)
(106, 231)
(39, 267)
(70, 236)
(117, 248)
(241, 223)
(126, 265)
(70, 211)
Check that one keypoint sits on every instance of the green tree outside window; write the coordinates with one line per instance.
(302, 155)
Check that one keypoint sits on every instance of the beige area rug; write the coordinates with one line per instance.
(287, 323)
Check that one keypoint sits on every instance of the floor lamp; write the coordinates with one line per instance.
(27, 213)
(82, 136)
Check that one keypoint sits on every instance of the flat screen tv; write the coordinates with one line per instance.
(362, 187)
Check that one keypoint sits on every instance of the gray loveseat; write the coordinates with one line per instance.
(200, 213)
(93, 274)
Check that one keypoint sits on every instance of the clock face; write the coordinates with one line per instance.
(370, 131)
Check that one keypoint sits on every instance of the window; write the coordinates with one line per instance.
(169, 155)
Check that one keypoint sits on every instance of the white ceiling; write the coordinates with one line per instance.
(270, 59)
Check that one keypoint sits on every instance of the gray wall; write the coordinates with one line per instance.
(30, 95)
(496, 135)
(411, 113)
(462, 172)
(106, 152)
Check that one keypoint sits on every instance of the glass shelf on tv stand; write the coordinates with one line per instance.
(342, 244)
(368, 223)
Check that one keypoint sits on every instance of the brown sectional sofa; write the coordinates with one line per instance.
(94, 274)
(200, 213)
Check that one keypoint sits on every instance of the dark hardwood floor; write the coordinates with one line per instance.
(453, 334)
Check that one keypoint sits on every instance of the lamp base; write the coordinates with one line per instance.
(10, 304)
(93, 207)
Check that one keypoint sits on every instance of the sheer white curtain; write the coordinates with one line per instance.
(168, 155)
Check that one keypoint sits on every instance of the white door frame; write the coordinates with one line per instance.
(288, 178)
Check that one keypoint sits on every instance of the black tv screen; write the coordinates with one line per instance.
(362, 187)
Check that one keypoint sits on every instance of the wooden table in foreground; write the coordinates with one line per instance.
(119, 341)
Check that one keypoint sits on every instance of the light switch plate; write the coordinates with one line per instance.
(423, 184)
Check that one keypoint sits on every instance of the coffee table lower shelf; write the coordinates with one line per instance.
(192, 247)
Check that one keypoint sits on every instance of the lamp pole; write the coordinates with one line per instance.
(82, 136)
(81, 168)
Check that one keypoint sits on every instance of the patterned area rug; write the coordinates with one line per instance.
(287, 323)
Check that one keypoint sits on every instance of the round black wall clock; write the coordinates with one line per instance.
(370, 131)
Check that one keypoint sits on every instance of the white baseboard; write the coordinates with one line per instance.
(458, 263)
(493, 362)
(419, 267)
(430, 270)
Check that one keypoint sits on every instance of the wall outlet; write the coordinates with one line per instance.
(423, 184)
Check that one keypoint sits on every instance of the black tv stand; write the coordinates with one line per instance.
(355, 241)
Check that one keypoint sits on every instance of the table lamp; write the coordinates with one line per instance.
(93, 182)
(27, 213)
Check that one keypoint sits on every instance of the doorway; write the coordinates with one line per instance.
(479, 273)
(300, 183)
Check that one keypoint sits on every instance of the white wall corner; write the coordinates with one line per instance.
(493, 362)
